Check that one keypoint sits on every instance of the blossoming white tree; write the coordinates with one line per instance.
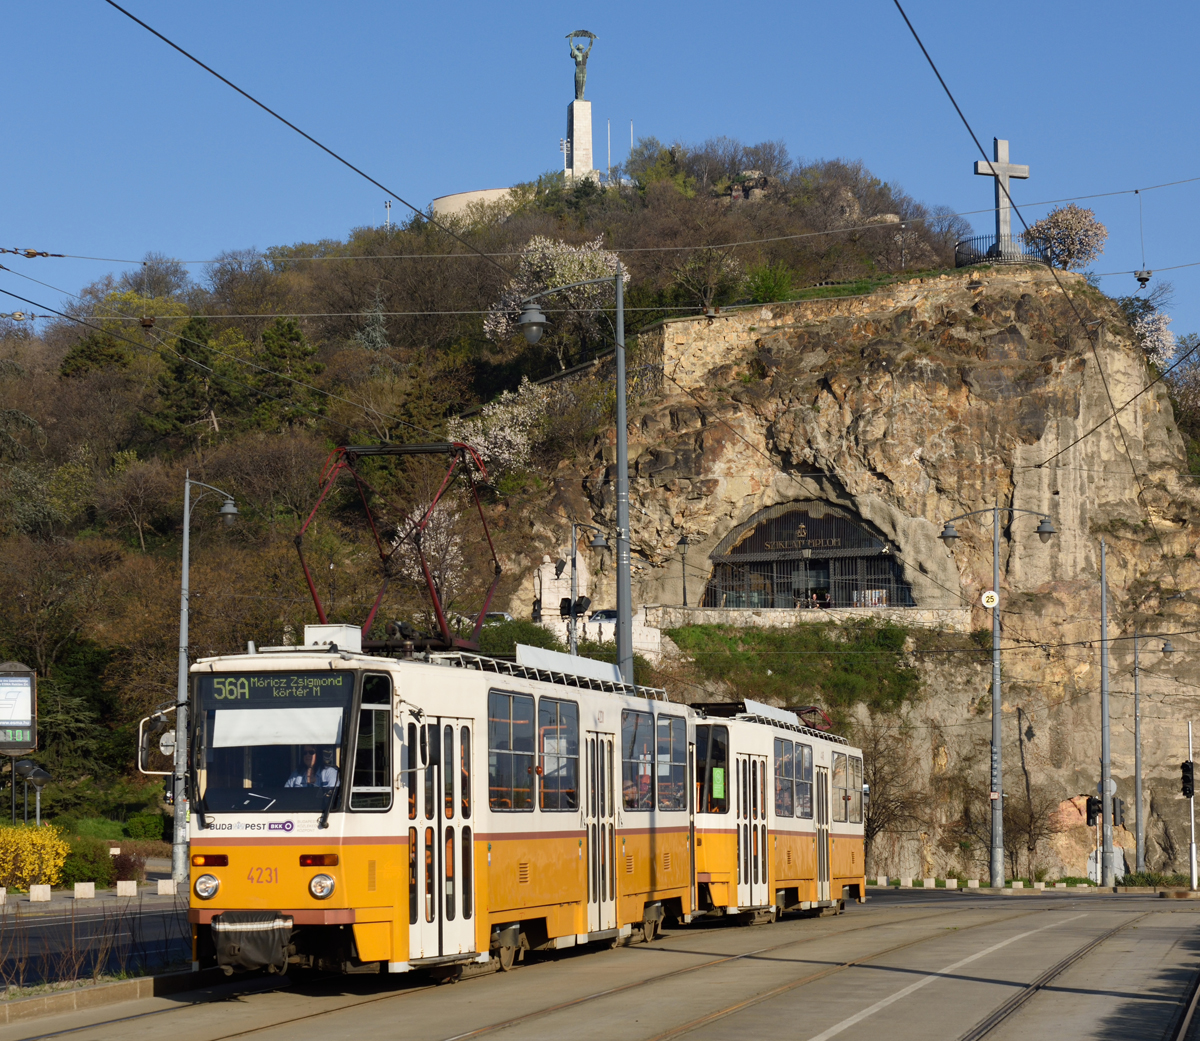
(547, 263)
(505, 430)
(1070, 235)
(1155, 338)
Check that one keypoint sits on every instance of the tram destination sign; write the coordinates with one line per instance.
(18, 709)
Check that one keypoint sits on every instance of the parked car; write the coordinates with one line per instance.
(608, 614)
(497, 618)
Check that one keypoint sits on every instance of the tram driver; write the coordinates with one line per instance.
(316, 769)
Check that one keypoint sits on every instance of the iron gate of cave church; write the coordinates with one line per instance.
(806, 554)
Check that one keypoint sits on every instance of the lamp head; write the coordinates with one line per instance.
(1168, 649)
(25, 767)
(532, 322)
(949, 534)
(598, 542)
(1045, 529)
(229, 511)
(683, 543)
(38, 777)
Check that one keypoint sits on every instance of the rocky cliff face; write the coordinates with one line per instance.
(913, 405)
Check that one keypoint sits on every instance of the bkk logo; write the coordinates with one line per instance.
(280, 826)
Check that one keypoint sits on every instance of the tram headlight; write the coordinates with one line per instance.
(206, 886)
(321, 886)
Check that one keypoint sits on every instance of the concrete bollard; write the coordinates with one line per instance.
(972, 883)
(85, 890)
(906, 883)
(39, 894)
(1039, 885)
(1017, 884)
(114, 851)
(882, 880)
(3, 895)
(127, 888)
(1060, 885)
(929, 883)
(952, 883)
(166, 887)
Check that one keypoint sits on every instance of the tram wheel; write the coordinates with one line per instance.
(650, 931)
(506, 956)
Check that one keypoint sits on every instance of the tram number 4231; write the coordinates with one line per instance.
(263, 875)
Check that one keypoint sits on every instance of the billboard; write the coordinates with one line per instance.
(18, 709)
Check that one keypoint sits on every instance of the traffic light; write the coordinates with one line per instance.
(1094, 809)
(1118, 812)
(1189, 786)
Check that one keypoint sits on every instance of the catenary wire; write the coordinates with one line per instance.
(639, 249)
(1087, 329)
(308, 137)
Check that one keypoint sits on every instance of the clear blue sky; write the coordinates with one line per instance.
(116, 145)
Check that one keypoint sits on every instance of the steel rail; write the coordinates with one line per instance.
(1180, 1033)
(550, 1009)
(417, 990)
(989, 1023)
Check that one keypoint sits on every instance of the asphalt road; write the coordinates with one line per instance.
(904, 966)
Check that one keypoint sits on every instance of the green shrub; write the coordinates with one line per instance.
(145, 826)
(503, 637)
(129, 867)
(89, 861)
(91, 827)
(1154, 878)
(769, 283)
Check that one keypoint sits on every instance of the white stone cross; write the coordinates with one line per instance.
(1001, 169)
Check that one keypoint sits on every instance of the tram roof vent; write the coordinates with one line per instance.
(572, 664)
(346, 637)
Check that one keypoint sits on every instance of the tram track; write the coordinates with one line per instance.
(395, 996)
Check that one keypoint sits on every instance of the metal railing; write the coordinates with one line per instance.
(988, 249)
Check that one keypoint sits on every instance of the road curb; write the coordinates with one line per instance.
(18, 1010)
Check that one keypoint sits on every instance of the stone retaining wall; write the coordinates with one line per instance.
(953, 619)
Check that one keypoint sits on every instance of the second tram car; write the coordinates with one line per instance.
(354, 812)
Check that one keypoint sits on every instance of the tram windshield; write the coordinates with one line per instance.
(271, 741)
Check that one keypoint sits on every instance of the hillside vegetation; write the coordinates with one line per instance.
(247, 372)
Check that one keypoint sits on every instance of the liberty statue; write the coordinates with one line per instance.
(581, 56)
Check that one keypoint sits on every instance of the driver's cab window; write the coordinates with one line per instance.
(371, 786)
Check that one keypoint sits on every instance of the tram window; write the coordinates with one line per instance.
(429, 908)
(448, 770)
(558, 754)
(451, 901)
(465, 748)
(410, 775)
(468, 883)
(510, 751)
(804, 780)
(637, 758)
(429, 747)
(855, 790)
(784, 778)
(412, 876)
(371, 785)
(712, 769)
(672, 763)
(841, 798)
(754, 789)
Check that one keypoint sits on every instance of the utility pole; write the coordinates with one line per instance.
(387, 220)
(624, 578)
(1139, 824)
(610, 152)
(1106, 800)
(1192, 815)
(997, 792)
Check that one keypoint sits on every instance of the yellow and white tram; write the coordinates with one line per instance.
(355, 812)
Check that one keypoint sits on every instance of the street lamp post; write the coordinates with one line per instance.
(683, 547)
(598, 542)
(179, 844)
(1044, 530)
(533, 323)
(1139, 820)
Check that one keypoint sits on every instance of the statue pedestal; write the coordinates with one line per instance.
(579, 133)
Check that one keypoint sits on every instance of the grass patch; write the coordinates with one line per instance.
(834, 666)
(1156, 879)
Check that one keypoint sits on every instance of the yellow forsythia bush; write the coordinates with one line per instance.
(31, 856)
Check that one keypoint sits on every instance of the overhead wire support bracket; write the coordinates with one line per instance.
(343, 459)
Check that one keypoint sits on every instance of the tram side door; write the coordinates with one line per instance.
(600, 817)
(822, 833)
(441, 868)
(750, 783)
